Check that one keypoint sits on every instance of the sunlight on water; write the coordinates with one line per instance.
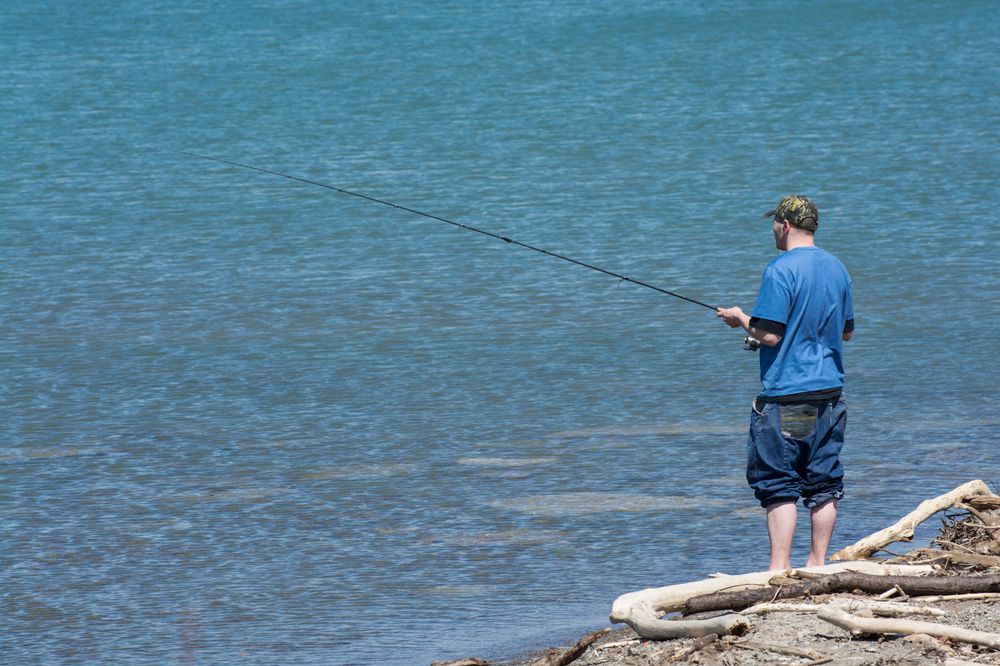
(505, 462)
(499, 538)
(643, 431)
(569, 504)
(360, 472)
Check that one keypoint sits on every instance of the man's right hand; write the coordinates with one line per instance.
(734, 317)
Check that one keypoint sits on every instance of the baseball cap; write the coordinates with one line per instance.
(798, 210)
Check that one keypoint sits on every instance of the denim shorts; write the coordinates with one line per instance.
(794, 451)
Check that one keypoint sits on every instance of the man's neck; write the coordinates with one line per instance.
(800, 239)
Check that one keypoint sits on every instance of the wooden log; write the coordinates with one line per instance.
(653, 602)
(903, 529)
(880, 608)
(870, 625)
(983, 596)
(845, 581)
(647, 624)
(570, 655)
(885, 608)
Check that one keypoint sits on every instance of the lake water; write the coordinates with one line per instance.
(251, 421)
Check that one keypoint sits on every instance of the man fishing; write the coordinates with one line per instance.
(803, 314)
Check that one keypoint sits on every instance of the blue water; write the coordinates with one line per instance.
(247, 420)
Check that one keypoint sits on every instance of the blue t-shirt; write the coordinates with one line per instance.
(809, 291)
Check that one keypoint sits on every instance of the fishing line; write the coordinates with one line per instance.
(621, 278)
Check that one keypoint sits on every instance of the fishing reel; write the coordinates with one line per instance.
(751, 344)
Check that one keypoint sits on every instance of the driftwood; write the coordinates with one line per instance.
(881, 608)
(931, 555)
(617, 644)
(570, 655)
(869, 625)
(845, 581)
(646, 623)
(982, 596)
(983, 518)
(984, 502)
(562, 658)
(641, 610)
(903, 529)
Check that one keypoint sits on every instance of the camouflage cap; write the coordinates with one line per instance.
(798, 210)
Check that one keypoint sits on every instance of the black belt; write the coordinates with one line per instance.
(825, 395)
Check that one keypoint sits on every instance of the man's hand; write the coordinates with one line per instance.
(734, 317)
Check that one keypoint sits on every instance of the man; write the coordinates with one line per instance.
(802, 316)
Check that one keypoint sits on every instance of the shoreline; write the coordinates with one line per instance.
(795, 638)
(823, 617)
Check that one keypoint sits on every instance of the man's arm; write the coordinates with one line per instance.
(736, 318)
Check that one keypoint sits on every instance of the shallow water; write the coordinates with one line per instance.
(250, 421)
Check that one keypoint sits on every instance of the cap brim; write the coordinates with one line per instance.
(771, 213)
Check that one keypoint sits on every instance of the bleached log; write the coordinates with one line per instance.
(871, 625)
(903, 529)
(981, 596)
(880, 608)
(885, 608)
(844, 581)
(642, 609)
(779, 607)
(647, 623)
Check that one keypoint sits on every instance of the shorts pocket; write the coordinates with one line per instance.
(798, 421)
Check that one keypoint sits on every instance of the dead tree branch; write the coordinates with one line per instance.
(572, 654)
(903, 529)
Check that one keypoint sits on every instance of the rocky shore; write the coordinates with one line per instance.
(799, 638)
(844, 627)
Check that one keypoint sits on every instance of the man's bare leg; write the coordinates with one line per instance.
(780, 530)
(822, 518)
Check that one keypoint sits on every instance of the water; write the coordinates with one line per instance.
(250, 421)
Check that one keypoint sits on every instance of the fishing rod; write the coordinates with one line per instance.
(622, 278)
